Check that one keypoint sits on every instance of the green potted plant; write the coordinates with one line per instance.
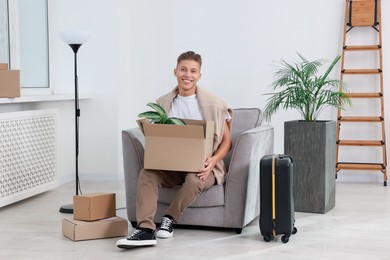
(159, 116)
(302, 89)
(311, 142)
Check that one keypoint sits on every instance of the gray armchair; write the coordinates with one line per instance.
(233, 204)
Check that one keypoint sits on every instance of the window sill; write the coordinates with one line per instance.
(41, 98)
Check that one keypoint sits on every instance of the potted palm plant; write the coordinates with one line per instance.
(311, 142)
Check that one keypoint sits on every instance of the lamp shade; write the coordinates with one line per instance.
(75, 36)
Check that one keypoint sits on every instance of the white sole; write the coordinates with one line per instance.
(164, 234)
(124, 243)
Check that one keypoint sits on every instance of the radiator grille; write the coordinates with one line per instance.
(27, 154)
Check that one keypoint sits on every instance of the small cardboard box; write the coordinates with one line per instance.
(9, 83)
(3, 66)
(177, 147)
(94, 206)
(77, 230)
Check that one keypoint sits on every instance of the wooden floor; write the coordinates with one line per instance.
(357, 228)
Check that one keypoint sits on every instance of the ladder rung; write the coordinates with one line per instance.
(364, 95)
(361, 71)
(361, 142)
(360, 166)
(360, 118)
(362, 47)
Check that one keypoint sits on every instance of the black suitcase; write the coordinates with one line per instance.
(276, 197)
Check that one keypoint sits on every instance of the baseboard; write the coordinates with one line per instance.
(90, 177)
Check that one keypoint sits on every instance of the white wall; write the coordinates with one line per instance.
(130, 58)
(239, 41)
(99, 65)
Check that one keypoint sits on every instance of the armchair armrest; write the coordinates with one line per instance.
(242, 186)
(133, 142)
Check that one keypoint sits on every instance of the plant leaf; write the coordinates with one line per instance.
(149, 115)
(175, 121)
(158, 108)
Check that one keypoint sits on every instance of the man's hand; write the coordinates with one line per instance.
(208, 167)
(221, 152)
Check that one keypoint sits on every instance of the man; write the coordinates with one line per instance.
(187, 101)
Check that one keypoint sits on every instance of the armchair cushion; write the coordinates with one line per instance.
(212, 197)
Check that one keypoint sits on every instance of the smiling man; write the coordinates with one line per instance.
(186, 101)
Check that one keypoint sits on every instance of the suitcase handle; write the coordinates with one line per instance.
(282, 156)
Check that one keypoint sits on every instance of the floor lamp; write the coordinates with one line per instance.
(75, 39)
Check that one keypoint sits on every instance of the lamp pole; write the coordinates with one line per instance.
(75, 39)
(75, 48)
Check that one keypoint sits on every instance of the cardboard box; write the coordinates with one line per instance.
(3, 66)
(9, 83)
(177, 147)
(77, 230)
(94, 206)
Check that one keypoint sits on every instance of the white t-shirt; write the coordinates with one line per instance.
(187, 107)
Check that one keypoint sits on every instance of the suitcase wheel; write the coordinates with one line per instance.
(267, 237)
(285, 238)
(294, 231)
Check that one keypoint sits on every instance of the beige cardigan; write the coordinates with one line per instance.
(213, 108)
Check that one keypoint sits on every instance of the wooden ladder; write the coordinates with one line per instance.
(363, 13)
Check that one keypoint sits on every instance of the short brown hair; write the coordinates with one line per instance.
(190, 55)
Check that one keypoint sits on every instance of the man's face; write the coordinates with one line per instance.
(187, 73)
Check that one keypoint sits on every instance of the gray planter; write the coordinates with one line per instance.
(313, 149)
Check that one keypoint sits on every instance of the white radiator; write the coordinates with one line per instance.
(28, 154)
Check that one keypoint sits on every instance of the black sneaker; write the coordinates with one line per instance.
(140, 237)
(166, 228)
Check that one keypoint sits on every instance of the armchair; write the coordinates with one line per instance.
(233, 204)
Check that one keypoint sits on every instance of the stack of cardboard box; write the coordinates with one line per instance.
(94, 216)
(9, 82)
